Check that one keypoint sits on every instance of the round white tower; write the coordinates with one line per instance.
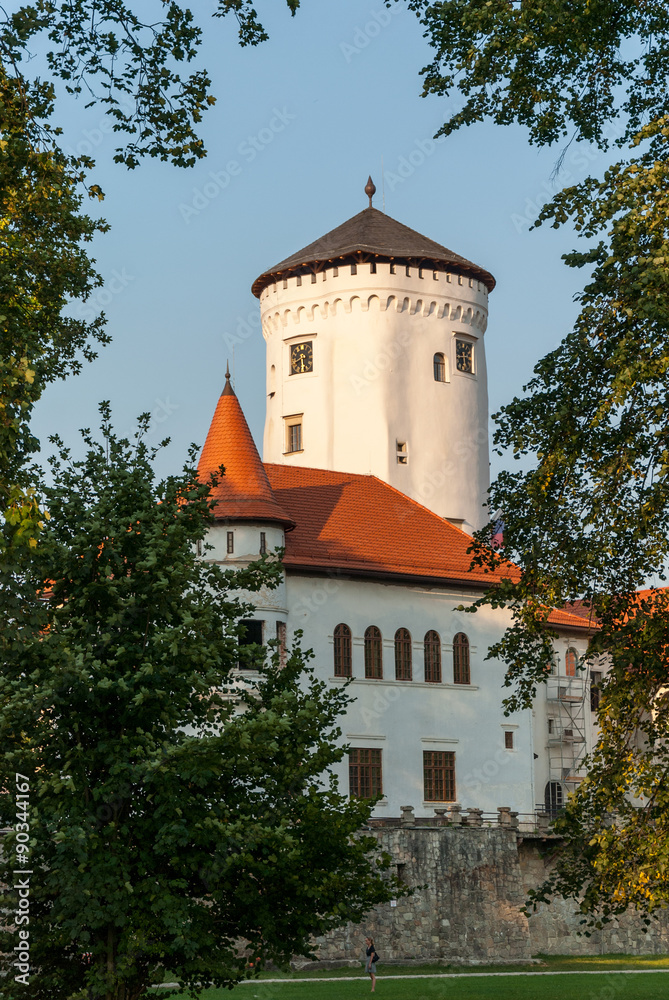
(376, 363)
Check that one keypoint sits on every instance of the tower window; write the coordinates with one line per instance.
(392, 268)
(439, 368)
(294, 440)
(373, 653)
(570, 663)
(263, 543)
(420, 272)
(432, 651)
(252, 635)
(439, 775)
(354, 268)
(402, 655)
(402, 453)
(231, 542)
(461, 674)
(508, 739)
(342, 651)
(372, 267)
(364, 773)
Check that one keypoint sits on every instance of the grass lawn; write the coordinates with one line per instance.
(609, 983)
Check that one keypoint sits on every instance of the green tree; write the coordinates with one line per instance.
(135, 69)
(588, 517)
(173, 809)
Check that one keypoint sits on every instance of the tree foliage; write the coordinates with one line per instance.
(588, 515)
(175, 811)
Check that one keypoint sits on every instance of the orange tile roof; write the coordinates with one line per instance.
(244, 492)
(572, 619)
(353, 522)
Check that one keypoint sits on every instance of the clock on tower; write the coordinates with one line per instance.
(301, 358)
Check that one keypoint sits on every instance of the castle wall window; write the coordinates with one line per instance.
(402, 452)
(231, 542)
(252, 635)
(365, 779)
(439, 368)
(402, 655)
(432, 652)
(570, 663)
(373, 653)
(553, 798)
(343, 663)
(439, 775)
(461, 672)
(263, 543)
(508, 739)
(281, 642)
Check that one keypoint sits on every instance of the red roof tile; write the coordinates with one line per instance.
(358, 523)
(244, 492)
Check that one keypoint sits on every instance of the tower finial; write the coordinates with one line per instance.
(227, 388)
(370, 189)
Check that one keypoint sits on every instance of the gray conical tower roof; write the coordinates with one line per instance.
(373, 233)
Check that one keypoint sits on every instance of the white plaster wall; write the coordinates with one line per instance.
(403, 718)
(270, 605)
(374, 336)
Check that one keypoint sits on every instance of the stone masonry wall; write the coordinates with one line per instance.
(469, 912)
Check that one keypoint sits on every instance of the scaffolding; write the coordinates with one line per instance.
(567, 745)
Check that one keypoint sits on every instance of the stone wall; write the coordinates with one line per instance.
(469, 911)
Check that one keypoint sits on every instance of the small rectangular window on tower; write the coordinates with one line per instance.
(372, 267)
(508, 739)
(392, 268)
(354, 268)
(293, 435)
(231, 542)
(402, 452)
(263, 543)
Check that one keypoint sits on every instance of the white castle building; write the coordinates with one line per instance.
(375, 474)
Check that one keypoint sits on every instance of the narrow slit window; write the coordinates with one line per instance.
(231, 542)
(263, 543)
(354, 268)
(402, 453)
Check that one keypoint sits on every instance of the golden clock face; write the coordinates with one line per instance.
(301, 358)
(464, 356)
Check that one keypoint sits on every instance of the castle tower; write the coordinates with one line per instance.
(376, 363)
(248, 520)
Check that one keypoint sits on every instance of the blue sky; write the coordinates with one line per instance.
(299, 123)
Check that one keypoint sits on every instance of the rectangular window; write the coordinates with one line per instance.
(231, 542)
(252, 636)
(439, 775)
(313, 277)
(281, 639)
(392, 268)
(402, 453)
(364, 774)
(299, 280)
(354, 268)
(372, 267)
(263, 543)
(508, 739)
(294, 435)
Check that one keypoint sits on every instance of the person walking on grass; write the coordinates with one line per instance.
(372, 959)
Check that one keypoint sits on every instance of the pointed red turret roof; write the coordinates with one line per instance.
(244, 492)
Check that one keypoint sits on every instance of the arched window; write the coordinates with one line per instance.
(439, 368)
(342, 651)
(461, 659)
(432, 650)
(553, 798)
(402, 655)
(570, 661)
(373, 653)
